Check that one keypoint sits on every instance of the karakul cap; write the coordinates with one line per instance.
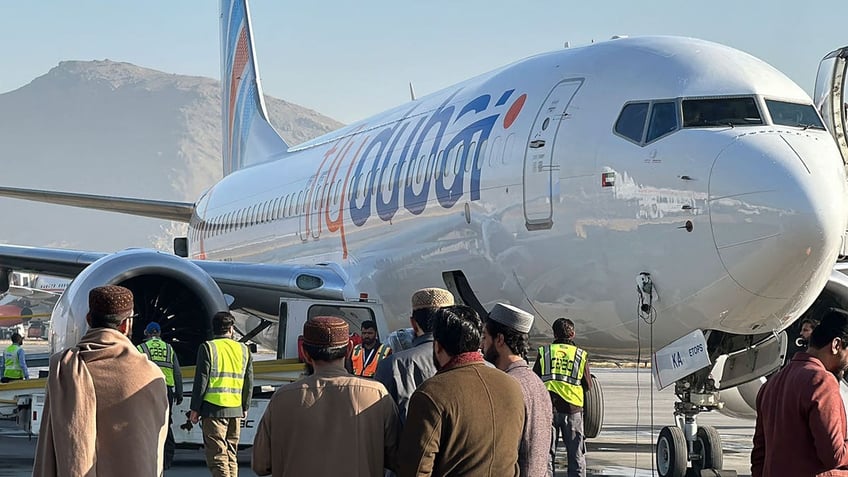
(329, 331)
(110, 300)
(512, 317)
(431, 298)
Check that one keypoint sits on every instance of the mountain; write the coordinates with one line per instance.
(105, 127)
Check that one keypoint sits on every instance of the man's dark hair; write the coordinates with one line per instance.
(17, 338)
(563, 329)
(222, 322)
(107, 321)
(458, 329)
(325, 353)
(424, 318)
(517, 342)
(368, 325)
(812, 321)
(834, 324)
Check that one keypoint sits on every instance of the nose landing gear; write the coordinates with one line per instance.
(687, 447)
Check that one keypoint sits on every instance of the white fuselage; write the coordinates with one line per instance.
(502, 177)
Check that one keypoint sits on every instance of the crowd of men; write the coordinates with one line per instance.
(462, 400)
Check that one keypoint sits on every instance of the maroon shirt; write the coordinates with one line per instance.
(801, 426)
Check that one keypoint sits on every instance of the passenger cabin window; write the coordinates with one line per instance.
(718, 112)
(793, 114)
(631, 121)
(663, 120)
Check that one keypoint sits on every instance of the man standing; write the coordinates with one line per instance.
(403, 372)
(223, 387)
(365, 357)
(14, 361)
(162, 355)
(106, 409)
(354, 419)
(468, 418)
(505, 343)
(801, 425)
(564, 369)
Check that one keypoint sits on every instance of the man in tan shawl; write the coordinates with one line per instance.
(106, 410)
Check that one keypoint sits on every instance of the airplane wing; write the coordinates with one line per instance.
(180, 294)
(157, 209)
(34, 295)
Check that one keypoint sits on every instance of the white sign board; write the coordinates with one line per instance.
(680, 358)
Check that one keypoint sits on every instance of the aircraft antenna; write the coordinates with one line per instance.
(411, 92)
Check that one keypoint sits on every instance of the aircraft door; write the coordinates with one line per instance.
(538, 157)
(830, 96)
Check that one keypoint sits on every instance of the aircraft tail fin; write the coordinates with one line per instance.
(248, 137)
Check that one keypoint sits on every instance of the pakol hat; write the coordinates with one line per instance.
(512, 317)
(326, 331)
(431, 298)
(110, 300)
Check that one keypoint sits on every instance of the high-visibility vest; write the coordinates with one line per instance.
(162, 354)
(367, 370)
(13, 368)
(562, 370)
(226, 378)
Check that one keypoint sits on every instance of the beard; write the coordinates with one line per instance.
(491, 355)
(310, 370)
(436, 361)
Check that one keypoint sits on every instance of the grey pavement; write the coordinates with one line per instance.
(624, 447)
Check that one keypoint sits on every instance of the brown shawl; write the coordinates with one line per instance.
(106, 411)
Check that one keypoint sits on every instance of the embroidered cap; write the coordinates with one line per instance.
(512, 317)
(110, 300)
(329, 331)
(431, 298)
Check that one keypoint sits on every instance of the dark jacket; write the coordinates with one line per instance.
(801, 425)
(401, 373)
(201, 382)
(464, 421)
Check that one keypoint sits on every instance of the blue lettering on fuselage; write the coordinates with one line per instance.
(427, 134)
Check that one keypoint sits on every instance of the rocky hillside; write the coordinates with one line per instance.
(104, 127)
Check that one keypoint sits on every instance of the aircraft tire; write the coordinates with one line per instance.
(708, 445)
(672, 453)
(593, 418)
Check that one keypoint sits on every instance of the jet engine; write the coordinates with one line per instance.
(169, 290)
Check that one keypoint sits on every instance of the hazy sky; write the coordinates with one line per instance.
(349, 59)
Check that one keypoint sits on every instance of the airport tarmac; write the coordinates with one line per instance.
(624, 447)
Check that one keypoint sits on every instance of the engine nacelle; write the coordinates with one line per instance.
(169, 290)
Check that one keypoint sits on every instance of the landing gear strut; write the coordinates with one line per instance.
(686, 445)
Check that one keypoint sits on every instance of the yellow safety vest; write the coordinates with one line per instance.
(162, 354)
(562, 370)
(226, 377)
(13, 368)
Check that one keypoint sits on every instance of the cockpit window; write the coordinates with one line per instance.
(793, 114)
(698, 113)
(663, 120)
(631, 121)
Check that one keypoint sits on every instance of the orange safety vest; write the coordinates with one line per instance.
(367, 370)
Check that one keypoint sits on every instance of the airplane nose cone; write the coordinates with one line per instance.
(777, 210)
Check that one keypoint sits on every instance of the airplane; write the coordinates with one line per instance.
(30, 296)
(652, 189)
